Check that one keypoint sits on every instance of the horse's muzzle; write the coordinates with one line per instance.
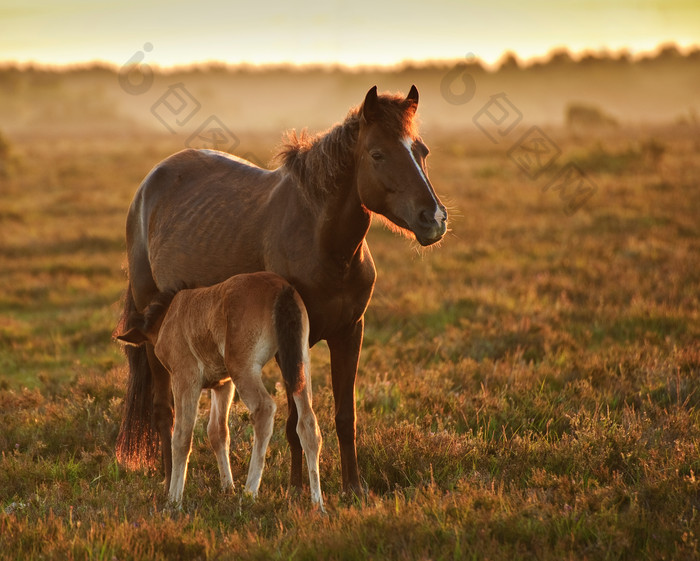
(431, 228)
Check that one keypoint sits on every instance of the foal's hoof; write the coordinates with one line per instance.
(228, 489)
(172, 508)
(250, 495)
(245, 500)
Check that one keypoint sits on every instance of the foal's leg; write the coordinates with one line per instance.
(187, 391)
(218, 431)
(310, 437)
(262, 412)
(293, 440)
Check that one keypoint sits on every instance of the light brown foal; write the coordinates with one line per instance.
(219, 338)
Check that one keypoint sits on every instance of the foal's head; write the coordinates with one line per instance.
(391, 172)
(146, 326)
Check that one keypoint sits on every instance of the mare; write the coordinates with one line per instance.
(219, 338)
(202, 216)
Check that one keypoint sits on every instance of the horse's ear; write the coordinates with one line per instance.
(369, 106)
(134, 337)
(412, 99)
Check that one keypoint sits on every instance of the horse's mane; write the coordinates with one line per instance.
(319, 162)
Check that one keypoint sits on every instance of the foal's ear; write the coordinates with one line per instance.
(134, 337)
(369, 106)
(411, 100)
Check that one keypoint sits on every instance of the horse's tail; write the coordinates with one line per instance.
(137, 443)
(291, 339)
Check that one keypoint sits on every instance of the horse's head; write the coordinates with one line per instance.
(391, 173)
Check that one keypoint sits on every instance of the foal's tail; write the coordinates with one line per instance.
(291, 339)
(137, 443)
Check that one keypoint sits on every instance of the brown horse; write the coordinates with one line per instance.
(220, 337)
(201, 216)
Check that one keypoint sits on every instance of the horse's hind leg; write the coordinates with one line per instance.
(162, 411)
(218, 431)
(262, 412)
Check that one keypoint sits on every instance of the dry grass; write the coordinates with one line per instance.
(528, 390)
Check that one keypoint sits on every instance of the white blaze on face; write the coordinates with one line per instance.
(408, 144)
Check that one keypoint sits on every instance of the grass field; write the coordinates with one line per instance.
(528, 390)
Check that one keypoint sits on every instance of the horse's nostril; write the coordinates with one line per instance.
(430, 219)
(426, 218)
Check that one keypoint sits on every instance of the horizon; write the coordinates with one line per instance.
(367, 35)
(504, 59)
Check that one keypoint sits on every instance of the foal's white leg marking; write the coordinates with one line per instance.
(408, 144)
(262, 412)
(186, 396)
(218, 431)
(310, 437)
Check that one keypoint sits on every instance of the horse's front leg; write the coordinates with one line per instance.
(345, 355)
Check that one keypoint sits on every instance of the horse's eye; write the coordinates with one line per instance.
(377, 156)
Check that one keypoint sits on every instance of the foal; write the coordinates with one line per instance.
(219, 338)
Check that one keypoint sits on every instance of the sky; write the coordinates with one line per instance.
(348, 32)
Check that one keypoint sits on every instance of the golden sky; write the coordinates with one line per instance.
(349, 32)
